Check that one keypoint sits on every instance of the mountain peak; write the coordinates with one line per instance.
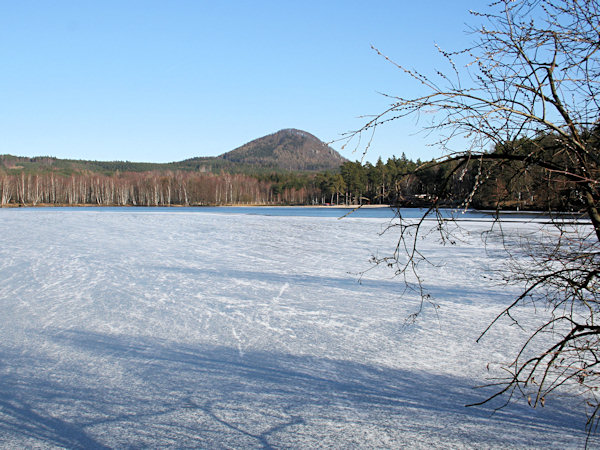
(287, 149)
(295, 132)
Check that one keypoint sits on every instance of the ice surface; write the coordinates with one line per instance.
(150, 329)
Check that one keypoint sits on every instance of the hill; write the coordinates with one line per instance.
(287, 150)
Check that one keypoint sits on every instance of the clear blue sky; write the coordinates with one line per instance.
(169, 80)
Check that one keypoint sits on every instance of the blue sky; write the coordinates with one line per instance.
(169, 80)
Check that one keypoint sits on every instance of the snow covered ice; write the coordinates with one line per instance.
(138, 328)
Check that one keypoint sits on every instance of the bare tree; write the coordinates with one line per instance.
(523, 98)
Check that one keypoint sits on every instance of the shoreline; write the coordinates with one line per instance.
(507, 212)
(93, 205)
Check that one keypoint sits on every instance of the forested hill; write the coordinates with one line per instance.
(287, 150)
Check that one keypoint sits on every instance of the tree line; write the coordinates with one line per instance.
(143, 189)
(478, 182)
(399, 181)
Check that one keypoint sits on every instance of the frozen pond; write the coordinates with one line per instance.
(152, 328)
